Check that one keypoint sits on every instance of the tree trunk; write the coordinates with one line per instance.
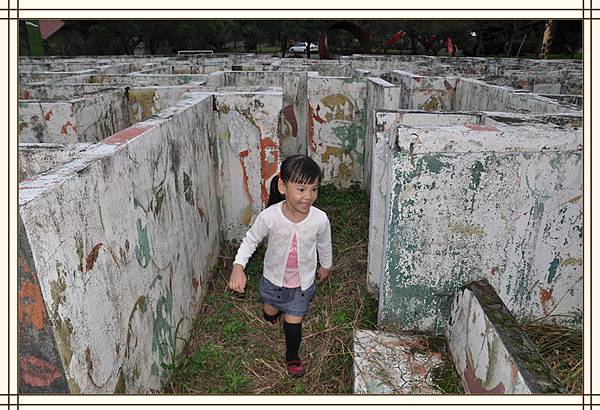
(284, 46)
(547, 40)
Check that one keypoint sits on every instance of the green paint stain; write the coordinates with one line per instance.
(142, 249)
(555, 161)
(552, 270)
(162, 319)
(476, 171)
(433, 164)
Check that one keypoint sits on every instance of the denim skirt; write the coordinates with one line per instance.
(293, 301)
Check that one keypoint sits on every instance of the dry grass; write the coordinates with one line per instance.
(232, 350)
(562, 348)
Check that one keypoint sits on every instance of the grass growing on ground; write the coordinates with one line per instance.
(562, 348)
(232, 350)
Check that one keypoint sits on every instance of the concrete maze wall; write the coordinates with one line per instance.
(129, 179)
(469, 202)
(131, 226)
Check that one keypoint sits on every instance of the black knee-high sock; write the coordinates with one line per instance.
(293, 337)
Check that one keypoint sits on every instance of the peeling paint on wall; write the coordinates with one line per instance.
(385, 137)
(336, 127)
(484, 204)
(248, 151)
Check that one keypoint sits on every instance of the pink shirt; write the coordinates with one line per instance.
(291, 277)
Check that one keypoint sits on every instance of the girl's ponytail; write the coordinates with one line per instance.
(274, 194)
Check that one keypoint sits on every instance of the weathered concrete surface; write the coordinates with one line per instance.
(503, 202)
(386, 363)
(36, 158)
(425, 92)
(88, 119)
(37, 76)
(122, 240)
(337, 118)
(144, 102)
(563, 81)
(569, 120)
(125, 79)
(464, 94)
(474, 95)
(490, 351)
(72, 64)
(154, 79)
(40, 368)
(573, 99)
(381, 95)
(292, 127)
(62, 92)
(384, 141)
(247, 155)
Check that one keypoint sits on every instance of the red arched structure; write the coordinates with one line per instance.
(360, 33)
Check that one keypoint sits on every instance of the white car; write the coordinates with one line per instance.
(300, 48)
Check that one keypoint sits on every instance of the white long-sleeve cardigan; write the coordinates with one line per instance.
(313, 234)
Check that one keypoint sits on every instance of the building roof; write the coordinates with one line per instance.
(49, 27)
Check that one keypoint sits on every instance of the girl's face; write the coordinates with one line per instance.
(299, 196)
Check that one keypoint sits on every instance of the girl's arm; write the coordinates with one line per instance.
(324, 245)
(255, 234)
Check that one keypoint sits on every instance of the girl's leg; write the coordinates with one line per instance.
(292, 327)
(270, 313)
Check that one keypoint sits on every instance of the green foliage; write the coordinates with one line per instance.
(494, 37)
(369, 317)
(232, 331)
(446, 378)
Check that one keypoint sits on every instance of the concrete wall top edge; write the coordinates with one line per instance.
(381, 82)
(532, 366)
(509, 118)
(48, 145)
(415, 76)
(487, 138)
(250, 91)
(164, 87)
(80, 97)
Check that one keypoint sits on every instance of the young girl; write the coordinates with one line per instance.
(296, 231)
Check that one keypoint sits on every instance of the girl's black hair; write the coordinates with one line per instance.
(299, 169)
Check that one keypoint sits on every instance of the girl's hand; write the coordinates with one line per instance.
(237, 280)
(323, 274)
